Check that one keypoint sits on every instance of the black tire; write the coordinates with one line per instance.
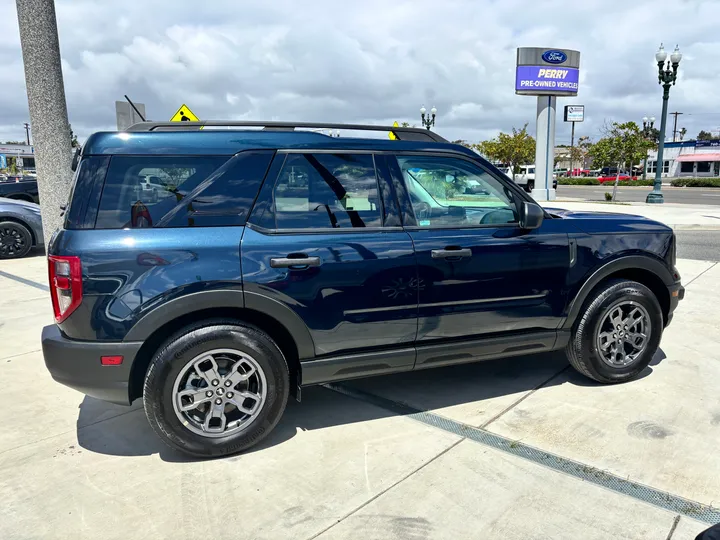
(530, 186)
(15, 240)
(582, 350)
(186, 345)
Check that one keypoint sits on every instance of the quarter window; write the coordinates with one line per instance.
(193, 191)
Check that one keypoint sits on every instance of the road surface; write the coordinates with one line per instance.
(700, 245)
(706, 196)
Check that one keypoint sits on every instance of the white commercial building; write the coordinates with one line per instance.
(687, 158)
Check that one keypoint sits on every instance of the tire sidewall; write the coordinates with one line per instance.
(166, 366)
(589, 350)
(26, 234)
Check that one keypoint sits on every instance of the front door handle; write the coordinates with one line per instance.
(295, 261)
(451, 253)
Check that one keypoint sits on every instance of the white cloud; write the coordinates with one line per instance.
(369, 61)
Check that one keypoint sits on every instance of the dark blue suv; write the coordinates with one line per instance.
(213, 273)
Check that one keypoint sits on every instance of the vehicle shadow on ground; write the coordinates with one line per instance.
(113, 430)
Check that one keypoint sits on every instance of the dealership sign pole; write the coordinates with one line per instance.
(546, 73)
(573, 113)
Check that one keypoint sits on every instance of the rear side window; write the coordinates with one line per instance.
(325, 191)
(162, 191)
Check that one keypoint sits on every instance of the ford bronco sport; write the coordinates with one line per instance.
(271, 259)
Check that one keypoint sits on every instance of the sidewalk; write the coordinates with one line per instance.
(677, 216)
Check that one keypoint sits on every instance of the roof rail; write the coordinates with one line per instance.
(402, 133)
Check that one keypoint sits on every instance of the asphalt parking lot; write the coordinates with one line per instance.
(520, 448)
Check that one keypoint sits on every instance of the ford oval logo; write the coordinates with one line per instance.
(554, 57)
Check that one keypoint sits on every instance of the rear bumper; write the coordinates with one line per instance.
(77, 364)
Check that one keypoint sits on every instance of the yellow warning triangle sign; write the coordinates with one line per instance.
(391, 134)
(184, 114)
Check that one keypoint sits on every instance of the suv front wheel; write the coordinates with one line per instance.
(216, 388)
(618, 333)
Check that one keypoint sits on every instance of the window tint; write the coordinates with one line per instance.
(226, 196)
(85, 194)
(451, 192)
(140, 190)
(326, 191)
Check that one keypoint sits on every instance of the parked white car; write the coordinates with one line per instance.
(526, 178)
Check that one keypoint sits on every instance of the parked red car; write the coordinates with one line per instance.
(623, 178)
(579, 172)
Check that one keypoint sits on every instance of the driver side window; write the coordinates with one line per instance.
(453, 192)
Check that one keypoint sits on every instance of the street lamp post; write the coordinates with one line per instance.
(429, 120)
(648, 124)
(667, 75)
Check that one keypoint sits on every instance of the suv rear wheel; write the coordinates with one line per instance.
(216, 388)
(618, 332)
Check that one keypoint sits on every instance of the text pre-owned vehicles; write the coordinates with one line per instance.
(278, 258)
(20, 228)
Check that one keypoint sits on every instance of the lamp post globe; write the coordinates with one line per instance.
(428, 120)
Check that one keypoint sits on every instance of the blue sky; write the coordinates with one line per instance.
(368, 61)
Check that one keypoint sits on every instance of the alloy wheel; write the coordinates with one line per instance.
(219, 392)
(623, 333)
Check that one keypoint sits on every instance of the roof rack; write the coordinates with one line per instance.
(402, 133)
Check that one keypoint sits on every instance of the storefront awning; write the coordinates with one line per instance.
(698, 157)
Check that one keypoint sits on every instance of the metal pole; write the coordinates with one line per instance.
(656, 196)
(48, 110)
(544, 149)
(572, 147)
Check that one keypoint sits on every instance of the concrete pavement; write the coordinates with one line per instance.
(343, 467)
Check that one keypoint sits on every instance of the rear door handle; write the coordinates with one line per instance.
(458, 253)
(294, 262)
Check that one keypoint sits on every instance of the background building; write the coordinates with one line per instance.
(9, 153)
(687, 158)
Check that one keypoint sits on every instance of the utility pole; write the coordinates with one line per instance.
(48, 110)
(572, 148)
(675, 114)
(27, 133)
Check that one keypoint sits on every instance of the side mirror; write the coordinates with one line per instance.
(531, 216)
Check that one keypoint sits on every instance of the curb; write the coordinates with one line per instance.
(693, 227)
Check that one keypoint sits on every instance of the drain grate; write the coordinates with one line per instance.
(656, 497)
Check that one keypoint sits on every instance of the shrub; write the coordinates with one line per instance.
(578, 181)
(695, 182)
(608, 196)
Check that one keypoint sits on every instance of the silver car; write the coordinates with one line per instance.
(20, 228)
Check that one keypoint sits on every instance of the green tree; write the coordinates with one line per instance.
(73, 139)
(624, 146)
(514, 149)
(14, 142)
(706, 136)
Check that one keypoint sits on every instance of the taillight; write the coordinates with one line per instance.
(65, 275)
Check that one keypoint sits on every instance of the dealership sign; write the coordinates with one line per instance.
(542, 78)
(574, 113)
(707, 144)
(543, 71)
